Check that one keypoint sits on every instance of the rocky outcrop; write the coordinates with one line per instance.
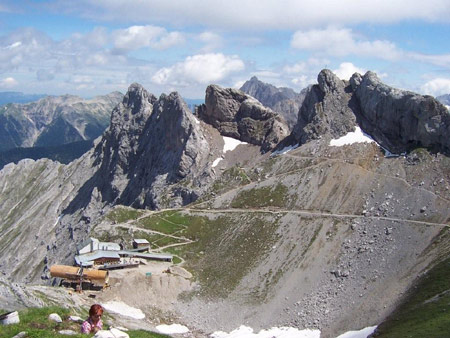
(282, 100)
(54, 121)
(398, 120)
(151, 145)
(238, 115)
(326, 110)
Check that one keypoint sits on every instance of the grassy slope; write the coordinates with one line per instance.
(426, 310)
(35, 322)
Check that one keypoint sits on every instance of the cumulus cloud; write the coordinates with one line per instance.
(136, 37)
(442, 60)
(305, 66)
(436, 87)
(35, 56)
(263, 14)
(8, 82)
(347, 69)
(211, 41)
(342, 41)
(201, 68)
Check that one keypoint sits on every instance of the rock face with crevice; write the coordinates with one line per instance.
(238, 115)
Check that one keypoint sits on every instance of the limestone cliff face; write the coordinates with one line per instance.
(398, 120)
(284, 101)
(238, 115)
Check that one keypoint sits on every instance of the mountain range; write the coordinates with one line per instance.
(53, 121)
(285, 227)
(18, 97)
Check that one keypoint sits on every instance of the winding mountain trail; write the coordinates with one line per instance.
(365, 169)
(313, 214)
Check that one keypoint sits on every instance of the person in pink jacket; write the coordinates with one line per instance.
(94, 322)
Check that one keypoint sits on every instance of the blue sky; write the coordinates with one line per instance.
(92, 47)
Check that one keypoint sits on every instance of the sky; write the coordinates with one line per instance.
(93, 47)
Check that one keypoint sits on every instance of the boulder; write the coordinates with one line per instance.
(55, 317)
(238, 115)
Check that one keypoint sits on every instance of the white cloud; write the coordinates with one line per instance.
(342, 41)
(8, 82)
(136, 37)
(302, 81)
(442, 60)
(305, 66)
(201, 68)
(347, 69)
(211, 40)
(263, 14)
(238, 84)
(436, 87)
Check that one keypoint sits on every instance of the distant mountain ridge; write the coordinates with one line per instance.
(18, 97)
(55, 120)
(444, 99)
(64, 153)
(284, 101)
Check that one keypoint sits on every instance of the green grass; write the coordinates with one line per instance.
(227, 247)
(230, 179)
(426, 310)
(122, 214)
(35, 322)
(262, 197)
(165, 223)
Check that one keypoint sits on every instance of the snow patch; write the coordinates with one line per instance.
(124, 309)
(357, 136)
(112, 333)
(448, 107)
(275, 332)
(285, 150)
(216, 161)
(359, 334)
(231, 143)
(172, 329)
(196, 120)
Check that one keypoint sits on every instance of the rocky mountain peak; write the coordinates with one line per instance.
(400, 120)
(283, 101)
(397, 119)
(238, 115)
(136, 97)
(326, 110)
(151, 144)
(329, 82)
